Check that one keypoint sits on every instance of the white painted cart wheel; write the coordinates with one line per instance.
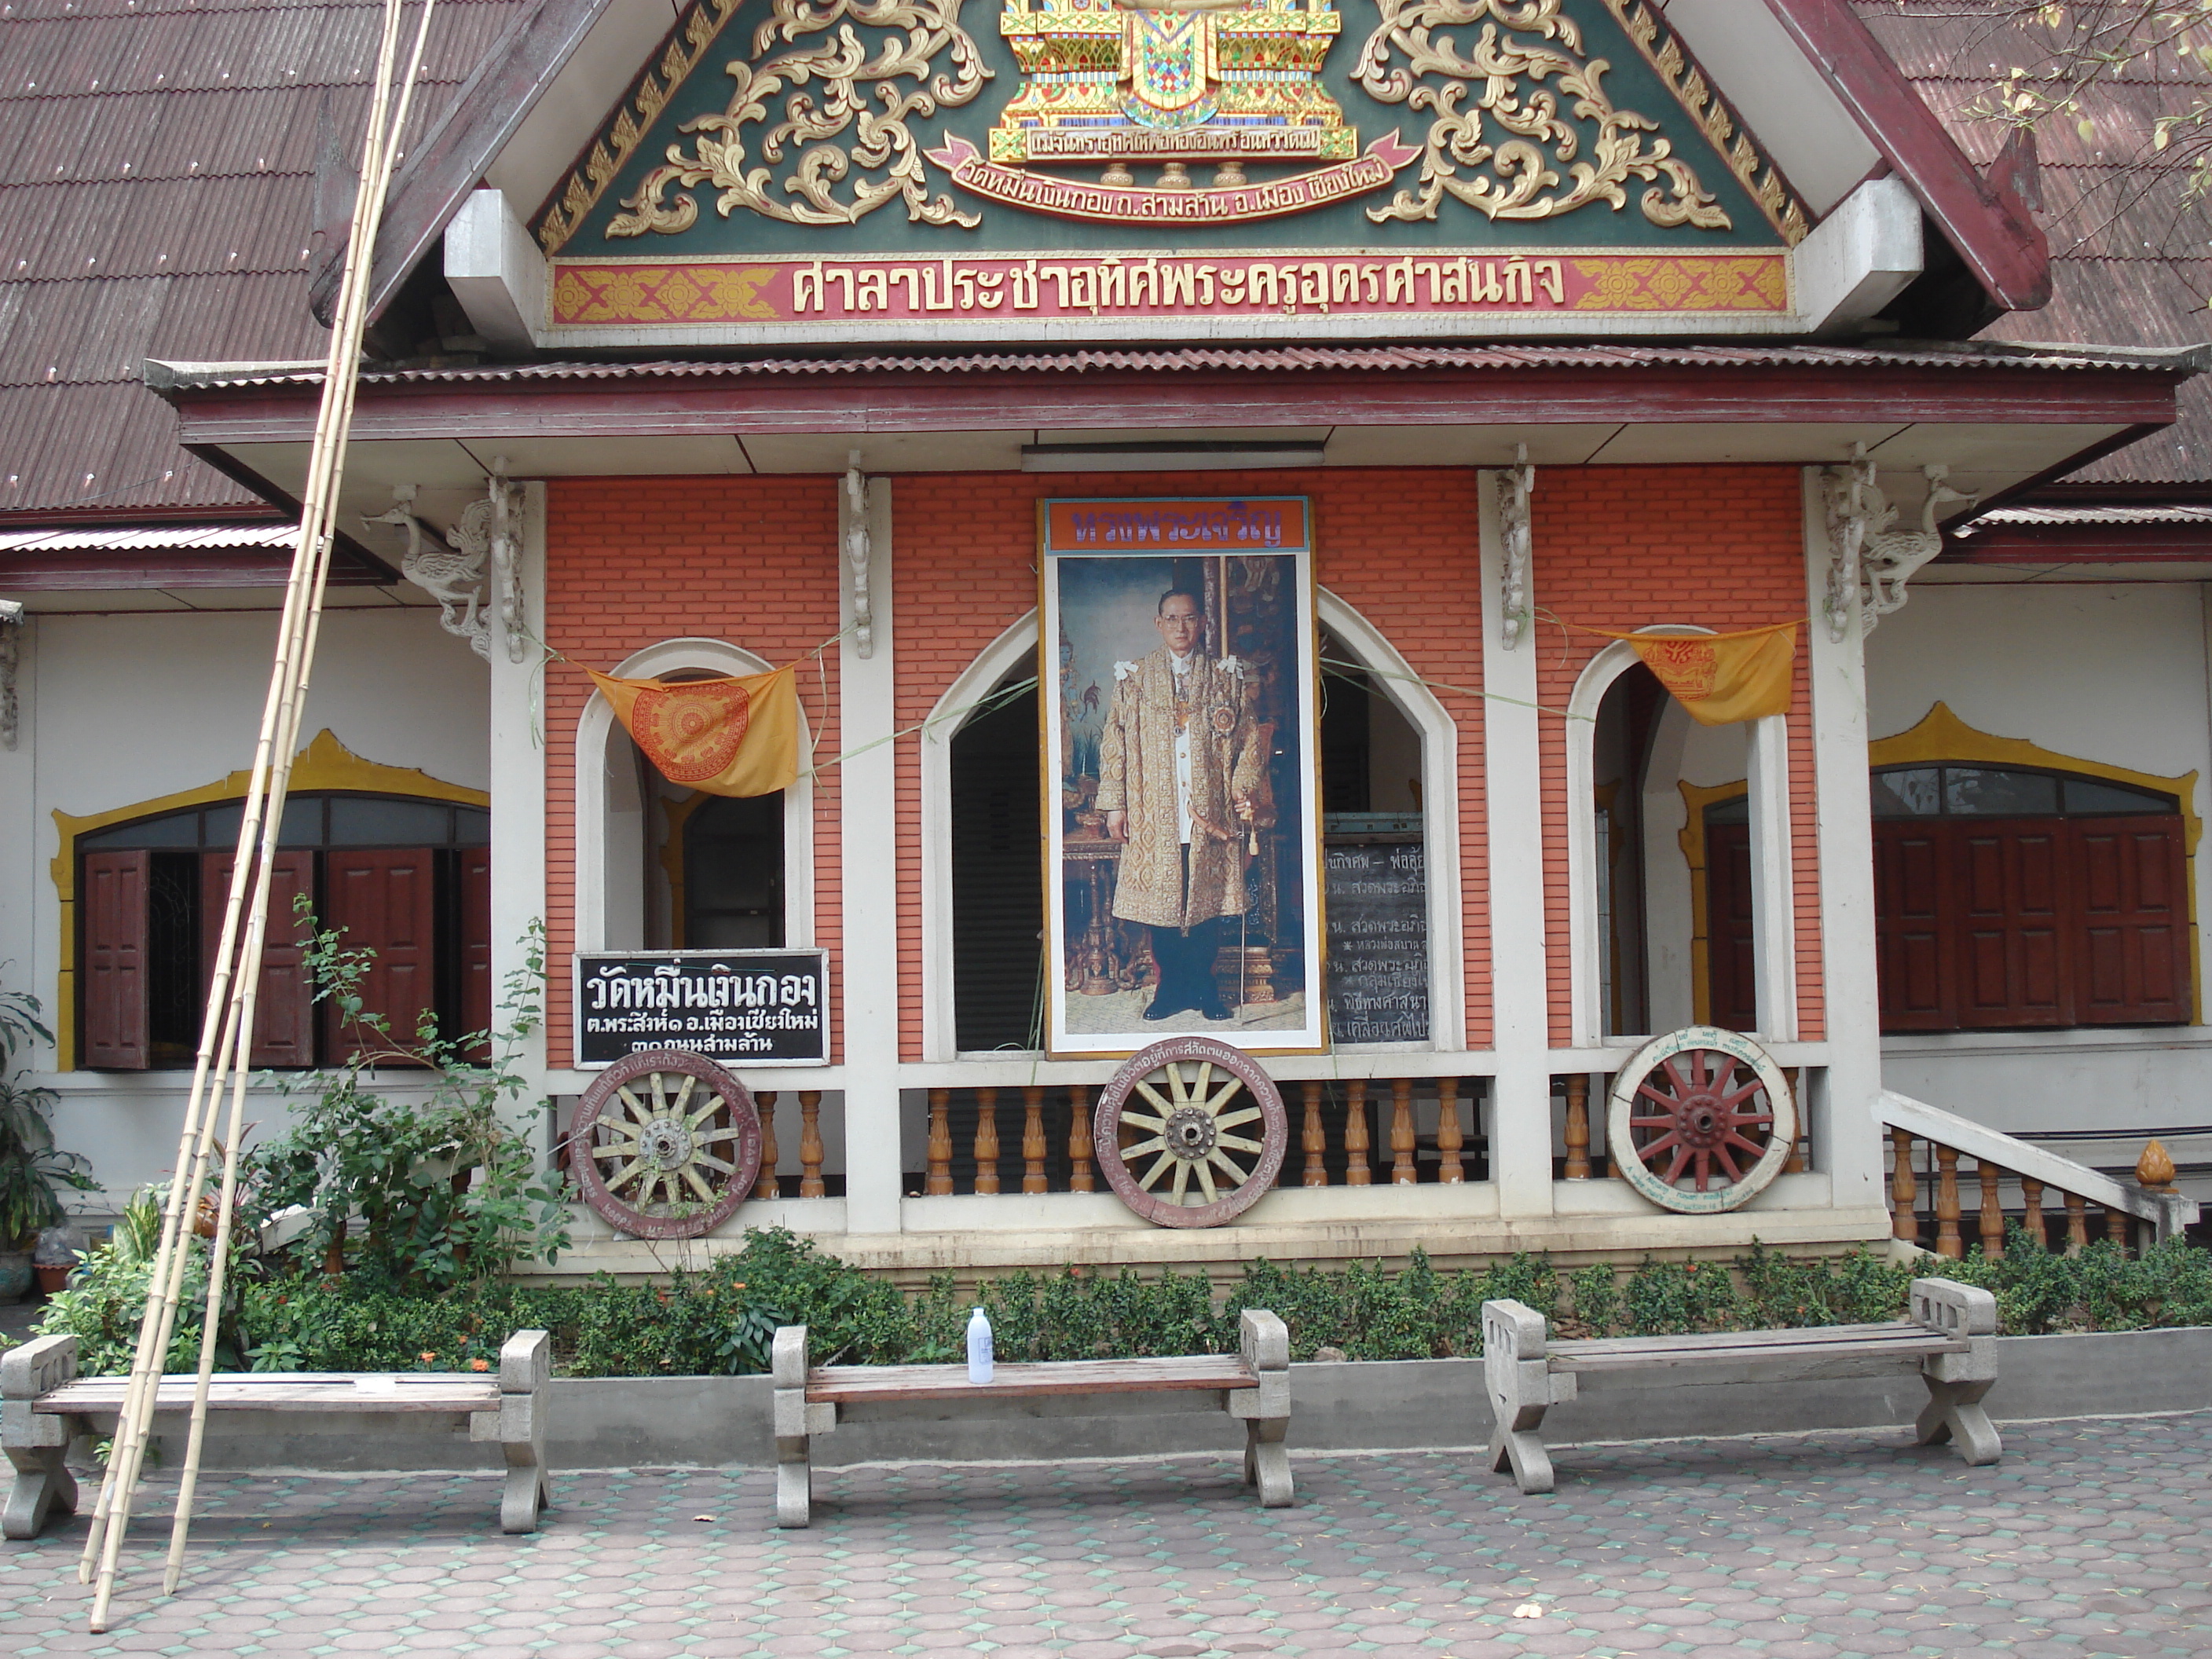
(1700, 1120)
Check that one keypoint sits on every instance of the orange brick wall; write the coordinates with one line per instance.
(1398, 546)
(632, 561)
(1626, 547)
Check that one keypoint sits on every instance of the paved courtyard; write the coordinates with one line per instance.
(2091, 1538)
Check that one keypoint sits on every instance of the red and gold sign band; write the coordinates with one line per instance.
(1268, 523)
(603, 294)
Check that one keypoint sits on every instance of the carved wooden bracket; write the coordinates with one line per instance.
(488, 533)
(1869, 563)
(1515, 484)
(860, 554)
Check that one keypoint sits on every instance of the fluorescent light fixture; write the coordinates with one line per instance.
(1156, 456)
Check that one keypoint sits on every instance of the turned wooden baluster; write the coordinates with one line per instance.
(1079, 1140)
(2115, 1230)
(1578, 1128)
(1448, 1166)
(1357, 1172)
(2077, 1224)
(1404, 1172)
(1947, 1243)
(766, 1185)
(1903, 1191)
(809, 1144)
(2031, 1203)
(941, 1144)
(1315, 1138)
(1033, 1139)
(987, 1140)
(1992, 1213)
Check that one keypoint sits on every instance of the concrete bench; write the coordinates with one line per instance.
(45, 1405)
(1950, 1340)
(1253, 1385)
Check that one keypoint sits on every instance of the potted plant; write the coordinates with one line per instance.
(32, 1169)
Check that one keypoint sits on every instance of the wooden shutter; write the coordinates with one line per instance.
(387, 901)
(284, 1017)
(1913, 944)
(115, 974)
(476, 942)
(2131, 921)
(2012, 941)
(1730, 961)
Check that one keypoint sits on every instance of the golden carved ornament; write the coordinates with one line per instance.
(2155, 1169)
(856, 124)
(1512, 131)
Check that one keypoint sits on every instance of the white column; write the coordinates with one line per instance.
(868, 802)
(1774, 891)
(26, 895)
(518, 799)
(1847, 1145)
(1521, 1094)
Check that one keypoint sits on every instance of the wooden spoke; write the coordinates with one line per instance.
(1701, 1120)
(666, 1144)
(1183, 1097)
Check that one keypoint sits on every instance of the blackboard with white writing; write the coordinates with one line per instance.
(743, 1008)
(1378, 939)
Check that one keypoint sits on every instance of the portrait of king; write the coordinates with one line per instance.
(1175, 81)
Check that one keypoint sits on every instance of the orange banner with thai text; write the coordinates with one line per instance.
(1258, 523)
(727, 737)
(1720, 678)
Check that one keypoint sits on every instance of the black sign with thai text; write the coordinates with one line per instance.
(742, 1007)
(1378, 939)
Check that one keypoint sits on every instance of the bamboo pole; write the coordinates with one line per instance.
(227, 1032)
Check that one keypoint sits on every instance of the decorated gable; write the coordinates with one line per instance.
(1134, 167)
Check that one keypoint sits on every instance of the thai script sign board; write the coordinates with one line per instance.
(744, 1007)
(1378, 938)
(788, 168)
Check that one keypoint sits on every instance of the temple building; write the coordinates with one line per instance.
(1459, 564)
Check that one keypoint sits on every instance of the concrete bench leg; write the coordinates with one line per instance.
(36, 1443)
(1265, 1341)
(795, 1423)
(1521, 1388)
(525, 1367)
(1957, 1381)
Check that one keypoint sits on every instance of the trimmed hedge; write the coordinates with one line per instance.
(722, 1320)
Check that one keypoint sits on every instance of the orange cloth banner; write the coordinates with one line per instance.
(732, 737)
(1721, 678)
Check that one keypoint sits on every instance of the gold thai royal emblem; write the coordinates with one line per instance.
(1223, 81)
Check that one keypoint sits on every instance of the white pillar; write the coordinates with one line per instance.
(1847, 1144)
(518, 802)
(27, 893)
(1521, 1094)
(868, 816)
(1774, 893)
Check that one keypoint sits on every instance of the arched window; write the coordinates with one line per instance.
(661, 866)
(408, 880)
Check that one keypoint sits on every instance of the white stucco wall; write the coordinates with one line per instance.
(2112, 672)
(123, 709)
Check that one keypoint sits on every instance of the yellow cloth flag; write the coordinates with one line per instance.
(1721, 678)
(732, 737)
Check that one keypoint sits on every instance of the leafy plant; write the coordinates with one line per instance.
(106, 1297)
(422, 1194)
(32, 1168)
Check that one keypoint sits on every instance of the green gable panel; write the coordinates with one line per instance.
(1556, 154)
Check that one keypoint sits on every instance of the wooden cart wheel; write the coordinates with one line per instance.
(1700, 1120)
(1190, 1133)
(666, 1144)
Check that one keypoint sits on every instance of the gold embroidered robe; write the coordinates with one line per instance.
(1137, 775)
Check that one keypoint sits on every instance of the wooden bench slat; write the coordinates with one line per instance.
(428, 1391)
(851, 1384)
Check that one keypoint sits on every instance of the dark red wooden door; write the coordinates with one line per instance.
(387, 902)
(1730, 961)
(1912, 940)
(2134, 921)
(2009, 879)
(115, 968)
(284, 1021)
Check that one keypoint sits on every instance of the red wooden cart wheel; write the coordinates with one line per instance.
(1701, 1120)
(666, 1144)
(1190, 1133)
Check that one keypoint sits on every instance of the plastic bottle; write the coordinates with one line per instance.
(979, 1347)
